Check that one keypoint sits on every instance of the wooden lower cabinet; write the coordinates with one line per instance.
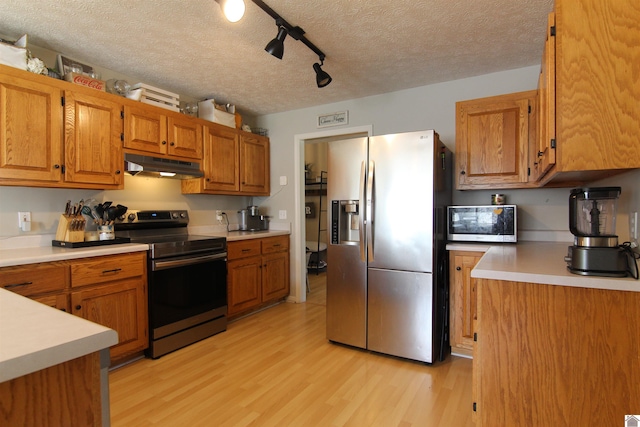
(257, 273)
(109, 290)
(550, 355)
(462, 296)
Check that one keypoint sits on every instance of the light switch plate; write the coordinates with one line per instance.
(282, 214)
(283, 180)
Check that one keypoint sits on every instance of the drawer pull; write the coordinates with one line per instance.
(17, 285)
(277, 245)
(115, 270)
(246, 250)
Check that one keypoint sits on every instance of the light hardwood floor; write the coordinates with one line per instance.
(276, 368)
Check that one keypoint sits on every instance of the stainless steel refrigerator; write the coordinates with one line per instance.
(387, 279)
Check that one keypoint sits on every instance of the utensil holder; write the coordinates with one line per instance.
(71, 228)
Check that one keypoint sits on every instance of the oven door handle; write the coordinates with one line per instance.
(165, 264)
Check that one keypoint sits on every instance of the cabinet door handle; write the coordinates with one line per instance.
(172, 144)
(56, 166)
(115, 270)
(118, 172)
(164, 142)
(78, 307)
(463, 173)
(17, 285)
(458, 268)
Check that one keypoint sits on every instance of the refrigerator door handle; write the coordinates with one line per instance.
(369, 210)
(361, 203)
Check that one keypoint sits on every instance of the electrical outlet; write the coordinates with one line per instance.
(282, 214)
(218, 214)
(283, 180)
(24, 221)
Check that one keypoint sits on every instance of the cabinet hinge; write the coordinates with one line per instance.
(122, 137)
(62, 101)
(122, 114)
(529, 109)
(552, 30)
(475, 336)
(528, 171)
(474, 407)
(553, 143)
(63, 169)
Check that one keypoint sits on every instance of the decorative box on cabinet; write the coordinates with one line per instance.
(590, 91)
(53, 134)
(258, 273)
(493, 137)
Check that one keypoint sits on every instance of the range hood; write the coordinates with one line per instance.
(137, 165)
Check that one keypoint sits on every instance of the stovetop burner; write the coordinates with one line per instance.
(166, 233)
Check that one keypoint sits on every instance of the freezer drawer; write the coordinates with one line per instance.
(400, 314)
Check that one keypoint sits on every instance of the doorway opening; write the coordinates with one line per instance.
(310, 226)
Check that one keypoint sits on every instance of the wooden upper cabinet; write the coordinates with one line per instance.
(30, 130)
(149, 129)
(597, 95)
(221, 160)
(492, 141)
(545, 152)
(93, 148)
(254, 164)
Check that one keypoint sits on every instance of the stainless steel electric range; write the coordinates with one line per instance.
(187, 278)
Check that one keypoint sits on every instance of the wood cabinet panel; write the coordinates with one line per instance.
(67, 394)
(34, 279)
(492, 141)
(243, 248)
(93, 149)
(119, 305)
(254, 164)
(275, 244)
(275, 276)
(30, 130)
(463, 300)
(58, 300)
(552, 353)
(185, 137)
(244, 284)
(221, 161)
(92, 271)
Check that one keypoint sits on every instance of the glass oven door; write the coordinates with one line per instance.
(186, 291)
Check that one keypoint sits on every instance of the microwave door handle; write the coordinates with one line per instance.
(370, 210)
(361, 205)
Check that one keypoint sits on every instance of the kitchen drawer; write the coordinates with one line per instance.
(275, 244)
(34, 279)
(243, 248)
(91, 271)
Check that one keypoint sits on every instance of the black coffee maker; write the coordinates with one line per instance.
(592, 220)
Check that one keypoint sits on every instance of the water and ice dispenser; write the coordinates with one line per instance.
(345, 222)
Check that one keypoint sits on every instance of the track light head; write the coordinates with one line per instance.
(233, 9)
(276, 46)
(322, 77)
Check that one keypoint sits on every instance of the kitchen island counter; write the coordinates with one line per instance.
(34, 336)
(542, 263)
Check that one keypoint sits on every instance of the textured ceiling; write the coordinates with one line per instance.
(371, 46)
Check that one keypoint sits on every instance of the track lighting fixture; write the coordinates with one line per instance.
(276, 46)
(233, 9)
(322, 77)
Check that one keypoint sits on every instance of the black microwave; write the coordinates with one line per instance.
(492, 223)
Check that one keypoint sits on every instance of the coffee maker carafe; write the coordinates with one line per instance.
(592, 220)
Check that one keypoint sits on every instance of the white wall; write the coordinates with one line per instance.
(543, 212)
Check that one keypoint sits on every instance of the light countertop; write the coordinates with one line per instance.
(35, 254)
(34, 336)
(541, 262)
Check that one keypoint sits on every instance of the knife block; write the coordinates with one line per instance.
(71, 228)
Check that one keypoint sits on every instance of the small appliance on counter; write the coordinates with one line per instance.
(250, 219)
(592, 220)
(493, 223)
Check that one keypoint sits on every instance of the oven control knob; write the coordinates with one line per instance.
(174, 215)
(131, 217)
(183, 215)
